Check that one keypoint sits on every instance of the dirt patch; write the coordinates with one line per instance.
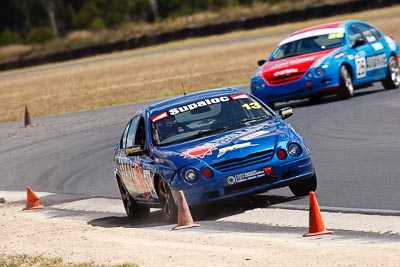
(29, 232)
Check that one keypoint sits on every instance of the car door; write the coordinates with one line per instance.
(361, 50)
(370, 57)
(134, 162)
(377, 59)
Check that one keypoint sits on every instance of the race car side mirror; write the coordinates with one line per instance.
(117, 146)
(358, 42)
(285, 113)
(134, 151)
(261, 62)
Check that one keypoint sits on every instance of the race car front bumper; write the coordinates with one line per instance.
(228, 186)
(299, 89)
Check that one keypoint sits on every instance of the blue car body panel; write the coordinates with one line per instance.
(243, 160)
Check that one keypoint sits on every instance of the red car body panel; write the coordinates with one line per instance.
(290, 69)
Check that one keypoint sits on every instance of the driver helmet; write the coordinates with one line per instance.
(166, 127)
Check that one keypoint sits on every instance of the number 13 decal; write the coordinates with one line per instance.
(252, 105)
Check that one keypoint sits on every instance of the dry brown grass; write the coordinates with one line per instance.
(22, 260)
(14, 51)
(129, 76)
(232, 13)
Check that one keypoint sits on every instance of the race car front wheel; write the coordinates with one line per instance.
(303, 188)
(167, 201)
(132, 209)
(346, 88)
(392, 80)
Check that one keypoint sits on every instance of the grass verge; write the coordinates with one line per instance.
(21, 260)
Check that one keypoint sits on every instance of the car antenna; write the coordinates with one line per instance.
(183, 87)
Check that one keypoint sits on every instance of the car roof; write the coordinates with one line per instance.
(331, 25)
(192, 97)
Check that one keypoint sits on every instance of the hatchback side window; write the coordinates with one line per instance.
(140, 137)
(124, 135)
(130, 138)
(354, 35)
(369, 33)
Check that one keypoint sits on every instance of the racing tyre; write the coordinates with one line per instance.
(304, 187)
(167, 201)
(392, 80)
(133, 210)
(346, 88)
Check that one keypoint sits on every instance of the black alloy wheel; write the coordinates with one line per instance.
(392, 80)
(132, 209)
(167, 201)
(346, 88)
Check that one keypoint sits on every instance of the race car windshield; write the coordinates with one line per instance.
(307, 45)
(207, 117)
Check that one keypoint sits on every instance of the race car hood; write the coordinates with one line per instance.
(228, 145)
(278, 69)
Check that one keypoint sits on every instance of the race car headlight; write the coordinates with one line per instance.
(258, 73)
(294, 149)
(191, 175)
(319, 71)
(309, 75)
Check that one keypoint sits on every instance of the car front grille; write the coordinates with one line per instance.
(285, 78)
(237, 163)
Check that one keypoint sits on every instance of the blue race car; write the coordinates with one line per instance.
(213, 145)
(333, 58)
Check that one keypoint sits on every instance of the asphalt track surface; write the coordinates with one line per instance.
(354, 145)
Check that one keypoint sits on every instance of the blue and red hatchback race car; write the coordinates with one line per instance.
(333, 58)
(213, 145)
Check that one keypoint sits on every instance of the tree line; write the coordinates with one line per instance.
(37, 21)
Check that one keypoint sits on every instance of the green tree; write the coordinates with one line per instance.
(40, 35)
(86, 15)
(114, 12)
(50, 8)
(8, 37)
(97, 24)
(143, 10)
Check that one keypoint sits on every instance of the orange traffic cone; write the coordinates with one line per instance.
(32, 200)
(316, 224)
(184, 217)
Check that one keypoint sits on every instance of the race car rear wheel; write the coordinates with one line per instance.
(132, 209)
(392, 80)
(167, 201)
(346, 88)
(304, 187)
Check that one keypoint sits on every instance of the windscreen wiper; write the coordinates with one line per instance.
(246, 121)
(209, 132)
